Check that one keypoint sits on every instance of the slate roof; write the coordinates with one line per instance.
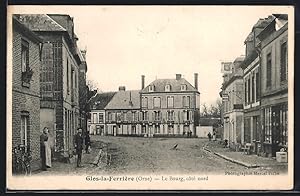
(159, 85)
(39, 22)
(121, 100)
(101, 100)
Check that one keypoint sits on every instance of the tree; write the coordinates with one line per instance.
(204, 112)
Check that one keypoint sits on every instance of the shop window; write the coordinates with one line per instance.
(268, 125)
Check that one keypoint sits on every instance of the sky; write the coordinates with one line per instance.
(125, 42)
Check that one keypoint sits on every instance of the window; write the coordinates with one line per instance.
(68, 87)
(269, 70)
(186, 101)
(134, 116)
(167, 87)
(170, 116)
(157, 115)
(253, 89)
(283, 62)
(25, 131)
(95, 120)
(151, 88)
(101, 118)
(246, 91)
(187, 115)
(183, 87)
(170, 102)
(143, 129)
(257, 87)
(113, 116)
(248, 85)
(156, 129)
(25, 56)
(144, 116)
(156, 102)
(119, 116)
(268, 125)
(145, 102)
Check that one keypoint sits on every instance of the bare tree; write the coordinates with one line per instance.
(204, 111)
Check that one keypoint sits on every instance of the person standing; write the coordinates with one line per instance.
(79, 146)
(87, 142)
(209, 136)
(43, 140)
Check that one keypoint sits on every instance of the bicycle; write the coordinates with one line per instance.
(21, 160)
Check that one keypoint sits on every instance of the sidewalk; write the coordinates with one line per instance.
(60, 168)
(249, 161)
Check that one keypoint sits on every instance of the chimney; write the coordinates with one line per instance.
(178, 76)
(196, 80)
(122, 88)
(143, 81)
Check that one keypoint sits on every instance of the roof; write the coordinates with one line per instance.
(125, 100)
(39, 22)
(26, 30)
(159, 85)
(99, 101)
(209, 121)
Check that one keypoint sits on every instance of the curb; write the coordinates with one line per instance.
(232, 160)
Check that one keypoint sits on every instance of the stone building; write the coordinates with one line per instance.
(122, 113)
(232, 89)
(59, 86)
(26, 90)
(170, 107)
(97, 124)
(251, 76)
(273, 44)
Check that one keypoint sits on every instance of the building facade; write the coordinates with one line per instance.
(170, 107)
(232, 89)
(251, 76)
(274, 84)
(83, 92)
(123, 113)
(26, 91)
(97, 123)
(59, 87)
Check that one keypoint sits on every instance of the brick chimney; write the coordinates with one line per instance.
(196, 80)
(122, 88)
(178, 76)
(143, 81)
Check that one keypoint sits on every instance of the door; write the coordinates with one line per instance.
(275, 130)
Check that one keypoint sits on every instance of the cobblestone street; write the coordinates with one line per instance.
(131, 155)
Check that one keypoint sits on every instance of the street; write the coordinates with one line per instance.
(132, 156)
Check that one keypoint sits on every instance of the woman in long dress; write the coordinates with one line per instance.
(48, 151)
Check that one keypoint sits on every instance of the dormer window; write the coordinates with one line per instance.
(183, 87)
(168, 87)
(151, 88)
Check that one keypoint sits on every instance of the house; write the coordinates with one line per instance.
(273, 46)
(26, 130)
(123, 113)
(59, 88)
(170, 107)
(233, 96)
(251, 77)
(97, 124)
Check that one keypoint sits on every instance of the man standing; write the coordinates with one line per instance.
(43, 140)
(79, 146)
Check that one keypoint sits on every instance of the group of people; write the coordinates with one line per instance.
(45, 147)
(210, 136)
